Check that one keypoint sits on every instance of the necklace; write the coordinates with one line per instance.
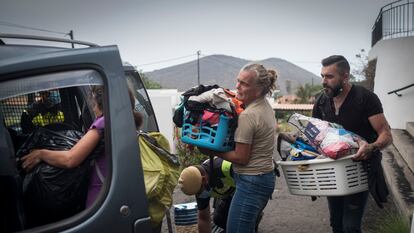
(337, 105)
(340, 100)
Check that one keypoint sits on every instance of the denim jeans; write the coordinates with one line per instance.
(346, 212)
(251, 196)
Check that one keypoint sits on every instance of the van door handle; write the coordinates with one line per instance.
(142, 225)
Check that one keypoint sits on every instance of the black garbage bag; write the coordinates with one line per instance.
(51, 193)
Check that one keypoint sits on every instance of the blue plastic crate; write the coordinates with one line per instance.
(217, 138)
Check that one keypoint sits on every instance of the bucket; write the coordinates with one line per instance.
(217, 138)
(185, 217)
(185, 214)
(325, 177)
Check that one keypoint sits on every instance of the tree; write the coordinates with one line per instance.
(288, 87)
(305, 93)
(148, 83)
(352, 78)
(369, 72)
(358, 72)
(365, 71)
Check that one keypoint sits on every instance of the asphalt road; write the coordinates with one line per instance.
(287, 213)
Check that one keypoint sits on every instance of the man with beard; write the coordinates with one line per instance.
(360, 111)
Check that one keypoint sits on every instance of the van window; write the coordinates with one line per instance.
(142, 102)
(52, 110)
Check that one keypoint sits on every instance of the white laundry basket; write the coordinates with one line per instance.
(325, 177)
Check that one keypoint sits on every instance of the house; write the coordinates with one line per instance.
(287, 99)
(392, 55)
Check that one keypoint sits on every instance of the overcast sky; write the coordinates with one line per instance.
(299, 31)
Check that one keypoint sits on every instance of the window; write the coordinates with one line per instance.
(38, 105)
(49, 105)
(142, 102)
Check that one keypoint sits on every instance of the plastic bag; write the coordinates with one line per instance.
(291, 147)
(52, 193)
(330, 139)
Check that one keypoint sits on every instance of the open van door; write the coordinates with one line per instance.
(121, 205)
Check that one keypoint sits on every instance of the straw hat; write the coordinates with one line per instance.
(190, 180)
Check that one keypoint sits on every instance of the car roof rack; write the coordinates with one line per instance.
(45, 38)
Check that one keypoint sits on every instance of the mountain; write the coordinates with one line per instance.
(222, 70)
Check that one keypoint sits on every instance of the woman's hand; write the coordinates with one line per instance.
(31, 160)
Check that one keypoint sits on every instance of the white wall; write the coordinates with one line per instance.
(164, 101)
(395, 69)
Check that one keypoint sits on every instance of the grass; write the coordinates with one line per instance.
(391, 222)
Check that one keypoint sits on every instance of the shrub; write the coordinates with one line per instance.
(391, 222)
(187, 154)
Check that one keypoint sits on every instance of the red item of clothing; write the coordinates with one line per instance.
(237, 103)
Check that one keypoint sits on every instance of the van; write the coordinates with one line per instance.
(28, 68)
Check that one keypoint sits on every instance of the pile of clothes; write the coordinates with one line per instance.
(202, 106)
(316, 139)
(208, 102)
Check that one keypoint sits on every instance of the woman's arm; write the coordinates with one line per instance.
(64, 159)
(240, 155)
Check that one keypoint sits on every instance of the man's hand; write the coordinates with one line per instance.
(204, 220)
(365, 151)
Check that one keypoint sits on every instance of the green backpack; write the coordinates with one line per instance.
(161, 172)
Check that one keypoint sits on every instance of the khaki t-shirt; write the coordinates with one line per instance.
(257, 127)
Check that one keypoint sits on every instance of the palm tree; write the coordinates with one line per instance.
(304, 93)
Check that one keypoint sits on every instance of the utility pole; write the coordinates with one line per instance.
(71, 37)
(198, 67)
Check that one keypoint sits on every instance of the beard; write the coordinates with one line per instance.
(333, 91)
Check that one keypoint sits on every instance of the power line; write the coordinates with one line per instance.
(167, 60)
(8, 24)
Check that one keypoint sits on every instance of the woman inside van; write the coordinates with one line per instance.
(80, 151)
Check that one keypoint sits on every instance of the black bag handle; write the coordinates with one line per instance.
(158, 149)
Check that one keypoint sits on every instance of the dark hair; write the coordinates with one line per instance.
(137, 116)
(97, 95)
(340, 62)
(203, 171)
